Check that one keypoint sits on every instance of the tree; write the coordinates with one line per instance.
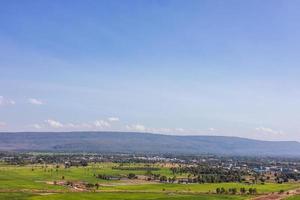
(252, 191)
(223, 190)
(173, 179)
(242, 190)
(132, 176)
(163, 179)
(89, 185)
(233, 191)
(148, 173)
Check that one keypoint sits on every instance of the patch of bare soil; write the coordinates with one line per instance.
(278, 196)
(75, 186)
(45, 194)
(169, 165)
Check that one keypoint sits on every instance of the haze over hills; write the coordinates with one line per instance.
(130, 142)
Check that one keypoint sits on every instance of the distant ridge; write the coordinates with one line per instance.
(132, 142)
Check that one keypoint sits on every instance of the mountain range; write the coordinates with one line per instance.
(132, 142)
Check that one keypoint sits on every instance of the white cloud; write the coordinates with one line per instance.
(70, 125)
(212, 129)
(54, 124)
(35, 101)
(169, 131)
(78, 126)
(50, 123)
(160, 130)
(136, 127)
(36, 126)
(179, 129)
(269, 131)
(109, 125)
(101, 124)
(5, 101)
(113, 119)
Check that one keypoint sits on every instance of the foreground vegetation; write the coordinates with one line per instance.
(108, 180)
(296, 197)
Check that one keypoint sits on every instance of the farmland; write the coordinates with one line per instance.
(49, 181)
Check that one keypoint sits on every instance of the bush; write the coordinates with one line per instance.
(132, 176)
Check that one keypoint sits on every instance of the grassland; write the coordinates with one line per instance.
(31, 182)
(296, 197)
(199, 188)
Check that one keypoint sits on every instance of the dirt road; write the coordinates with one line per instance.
(278, 196)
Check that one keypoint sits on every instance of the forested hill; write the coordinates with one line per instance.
(126, 142)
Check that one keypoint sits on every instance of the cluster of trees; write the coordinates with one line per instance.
(206, 174)
(132, 176)
(136, 168)
(224, 191)
(235, 191)
(108, 177)
(161, 178)
(284, 177)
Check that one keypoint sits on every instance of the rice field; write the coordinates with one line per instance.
(34, 182)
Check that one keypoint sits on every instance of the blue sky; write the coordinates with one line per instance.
(173, 67)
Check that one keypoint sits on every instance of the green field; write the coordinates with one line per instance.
(200, 188)
(296, 197)
(31, 176)
(32, 182)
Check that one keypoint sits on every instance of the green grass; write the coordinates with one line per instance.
(12, 177)
(200, 188)
(296, 197)
(23, 178)
(115, 196)
(15, 196)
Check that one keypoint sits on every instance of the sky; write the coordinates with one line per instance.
(208, 67)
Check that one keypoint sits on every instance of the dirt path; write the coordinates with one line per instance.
(270, 196)
(278, 196)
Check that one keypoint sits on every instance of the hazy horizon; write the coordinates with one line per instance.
(225, 68)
